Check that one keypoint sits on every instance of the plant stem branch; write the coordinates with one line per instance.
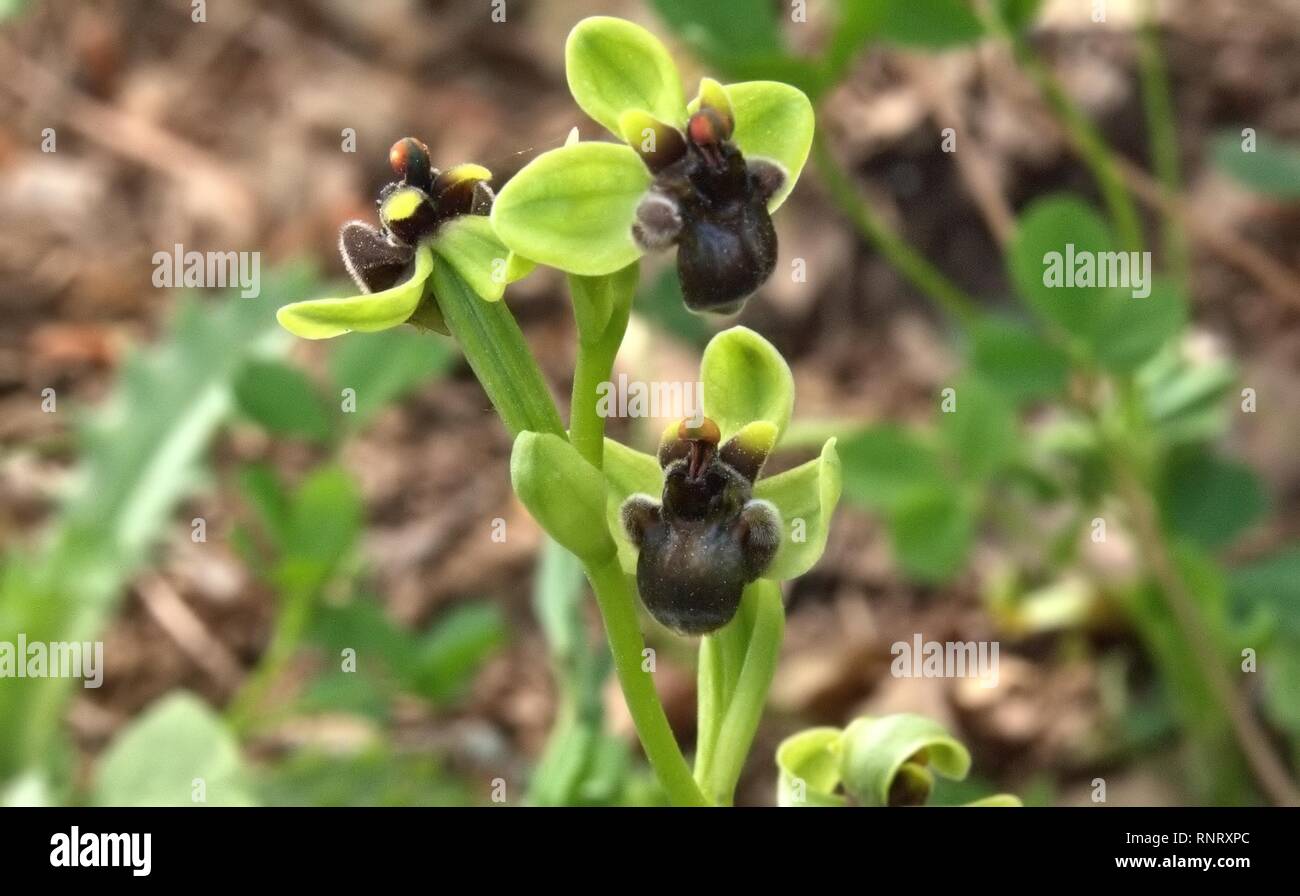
(1269, 770)
(897, 251)
(1159, 109)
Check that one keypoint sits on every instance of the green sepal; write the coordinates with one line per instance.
(469, 244)
(573, 208)
(564, 493)
(627, 472)
(809, 492)
(325, 318)
(613, 65)
(745, 379)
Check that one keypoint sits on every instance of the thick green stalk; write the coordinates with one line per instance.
(904, 257)
(496, 351)
(601, 308)
(750, 695)
(722, 656)
(614, 597)
(1084, 135)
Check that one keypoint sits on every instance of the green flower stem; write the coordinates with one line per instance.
(740, 722)
(614, 596)
(602, 306)
(722, 656)
(904, 257)
(1158, 105)
(1083, 134)
(496, 351)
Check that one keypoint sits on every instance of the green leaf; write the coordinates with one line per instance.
(1128, 329)
(938, 25)
(774, 121)
(1271, 585)
(627, 472)
(806, 497)
(573, 208)
(1018, 14)
(325, 520)
(875, 750)
(931, 531)
(745, 379)
(884, 464)
(281, 399)
(1045, 231)
(1273, 168)
(1210, 499)
(564, 493)
(614, 66)
(980, 432)
(449, 657)
(325, 318)
(809, 765)
(469, 244)
(383, 367)
(1017, 361)
(725, 30)
(159, 757)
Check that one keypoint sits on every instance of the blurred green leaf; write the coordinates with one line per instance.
(1271, 586)
(882, 465)
(1273, 168)
(725, 32)
(937, 25)
(450, 655)
(140, 454)
(1018, 14)
(325, 520)
(1127, 330)
(261, 487)
(932, 530)
(281, 399)
(1046, 230)
(1210, 499)
(385, 366)
(378, 776)
(980, 432)
(1017, 361)
(661, 301)
(177, 748)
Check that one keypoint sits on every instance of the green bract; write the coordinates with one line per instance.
(746, 381)
(885, 761)
(573, 208)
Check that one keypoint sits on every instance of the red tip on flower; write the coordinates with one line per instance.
(408, 153)
(705, 128)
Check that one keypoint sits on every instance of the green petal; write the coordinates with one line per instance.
(875, 750)
(774, 121)
(324, 318)
(563, 493)
(572, 208)
(471, 247)
(745, 379)
(999, 800)
(806, 497)
(613, 66)
(811, 757)
(627, 472)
